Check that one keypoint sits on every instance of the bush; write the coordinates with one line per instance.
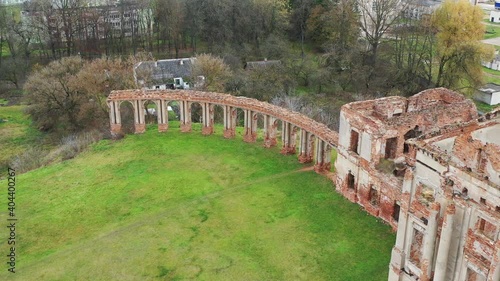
(32, 158)
(74, 144)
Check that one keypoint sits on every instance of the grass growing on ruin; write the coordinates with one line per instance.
(175, 206)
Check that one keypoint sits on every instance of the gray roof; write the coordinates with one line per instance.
(261, 64)
(163, 70)
(490, 88)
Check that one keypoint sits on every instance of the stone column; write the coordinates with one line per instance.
(322, 156)
(162, 115)
(287, 138)
(269, 131)
(429, 243)
(229, 121)
(444, 243)
(185, 110)
(250, 129)
(306, 147)
(495, 264)
(208, 118)
(140, 124)
(114, 117)
(403, 229)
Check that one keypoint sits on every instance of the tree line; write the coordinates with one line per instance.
(331, 52)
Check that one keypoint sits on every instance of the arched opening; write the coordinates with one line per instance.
(173, 110)
(196, 113)
(127, 117)
(218, 114)
(150, 112)
(240, 117)
(260, 126)
(413, 133)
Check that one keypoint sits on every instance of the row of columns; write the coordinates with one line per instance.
(310, 147)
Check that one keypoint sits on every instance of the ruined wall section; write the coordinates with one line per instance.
(373, 156)
(463, 242)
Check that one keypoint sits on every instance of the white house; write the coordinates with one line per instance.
(489, 94)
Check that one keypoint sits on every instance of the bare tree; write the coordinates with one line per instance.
(376, 17)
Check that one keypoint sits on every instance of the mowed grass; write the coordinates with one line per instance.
(174, 206)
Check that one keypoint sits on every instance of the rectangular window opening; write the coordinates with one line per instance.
(487, 229)
(373, 196)
(395, 212)
(350, 181)
(391, 147)
(416, 247)
(353, 146)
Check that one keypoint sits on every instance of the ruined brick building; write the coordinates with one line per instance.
(431, 169)
(427, 165)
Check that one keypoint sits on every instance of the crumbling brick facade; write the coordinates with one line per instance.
(428, 167)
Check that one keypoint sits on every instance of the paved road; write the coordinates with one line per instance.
(492, 41)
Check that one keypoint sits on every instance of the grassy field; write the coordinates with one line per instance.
(15, 132)
(492, 31)
(178, 206)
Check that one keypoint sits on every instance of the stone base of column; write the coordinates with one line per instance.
(116, 128)
(140, 128)
(229, 133)
(270, 142)
(322, 167)
(207, 130)
(186, 128)
(288, 150)
(249, 137)
(162, 127)
(304, 158)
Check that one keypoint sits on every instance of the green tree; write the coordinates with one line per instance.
(459, 50)
(215, 71)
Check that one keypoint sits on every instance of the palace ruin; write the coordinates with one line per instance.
(427, 165)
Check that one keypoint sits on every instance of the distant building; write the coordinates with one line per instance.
(261, 64)
(489, 94)
(160, 74)
(11, 2)
(495, 16)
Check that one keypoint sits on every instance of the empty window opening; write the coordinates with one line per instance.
(391, 147)
(474, 276)
(350, 181)
(354, 142)
(497, 208)
(465, 192)
(416, 247)
(413, 133)
(395, 211)
(481, 161)
(482, 200)
(373, 196)
(487, 229)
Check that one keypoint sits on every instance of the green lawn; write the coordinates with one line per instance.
(492, 31)
(176, 206)
(15, 132)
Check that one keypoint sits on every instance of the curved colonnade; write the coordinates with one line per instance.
(316, 139)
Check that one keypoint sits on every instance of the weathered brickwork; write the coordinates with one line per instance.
(430, 168)
(427, 165)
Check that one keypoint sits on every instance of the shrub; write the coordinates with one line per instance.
(32, 158)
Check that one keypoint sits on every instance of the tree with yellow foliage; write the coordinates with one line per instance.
(459, 50)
